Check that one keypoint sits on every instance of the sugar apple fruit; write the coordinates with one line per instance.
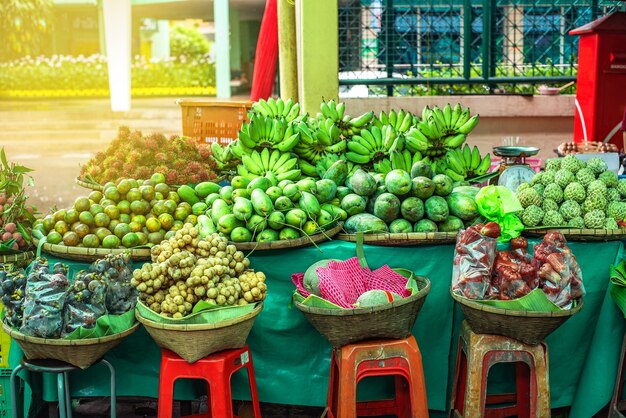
(571, 163)
(532, 215)
(537, 178)
(564, 177)
(585, 176)
(553, 164)
(621, 187)
(553, 191)
(577, 222)
(613, 195)
(539, 188)
(549, 204)
(611, 223)
(609, 178)
(522, 186)
(548, 178)
(594, 219)
(575, 191)
(553, 218)
(616, 210)
(529, 197)
(595, 200)
(597, 165)
(597, 186)
(570, 209)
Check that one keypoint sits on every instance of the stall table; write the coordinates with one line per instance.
(292, 360)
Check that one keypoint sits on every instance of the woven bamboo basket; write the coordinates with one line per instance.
(574, 234)
(347, 326)
(92, 254)
(289, 243)
(525, 326)
(80, 353)
(195, 341)
(20, 259)
(403, 239)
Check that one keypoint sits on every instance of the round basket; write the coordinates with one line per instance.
(289, 243)
(195, 341)
(403, 239)
(20, 259)
(92, 254)
(527, 327)
(88, 185)
(346, 326)
(80, 353)
(574, 234)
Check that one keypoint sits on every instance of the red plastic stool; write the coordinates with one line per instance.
(353, 362)
(217, 370)
(476, 354)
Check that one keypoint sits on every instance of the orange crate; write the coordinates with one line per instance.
(213, 121)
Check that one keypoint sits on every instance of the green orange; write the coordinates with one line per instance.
(153, 225)
(121, 230)
(86, 218)
(82, 204)
(166, 221)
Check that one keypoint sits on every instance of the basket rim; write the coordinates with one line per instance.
(408, 236)
(360, 311)
(18, 336)
(21, 256)
(514, 312)
(199, 327)
(61, 250)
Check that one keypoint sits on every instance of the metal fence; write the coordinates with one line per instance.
(430, 47)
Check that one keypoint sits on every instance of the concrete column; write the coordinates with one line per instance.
(222, 48)
(101, 36)
(318, 60)
(117, 27)
(287, 51)
(235, 40)
(161, 40)
(514, 35)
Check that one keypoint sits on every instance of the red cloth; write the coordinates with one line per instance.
(624, 121)
(266, 54)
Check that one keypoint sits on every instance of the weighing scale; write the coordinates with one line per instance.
(513, 167)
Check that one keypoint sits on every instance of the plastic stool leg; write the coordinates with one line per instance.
(166, 394)
(221, 400)
(113, 388)
(253, 389)
(61, 395)
(14, 389)
(68, 397)
(346, 394)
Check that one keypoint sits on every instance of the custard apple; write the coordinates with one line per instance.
(617, 210)
(611, 223)
(575, 191)
(564, 177)
(548, 178)
(621, 187)
(597, 165)
(570, 209)
(597, 186)
(549, 204)
(577, 222)
(609, 178)
(571, 163)
(537, 178)
(553, 218)
(529, 197)
(553, 191)
(585, 176)
(539, 188)
(553, 164)
(522, 186)
(595, 200)
(532, 215)
(613, 195)
(594, 219)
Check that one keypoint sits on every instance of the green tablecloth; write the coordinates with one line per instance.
(292, 361)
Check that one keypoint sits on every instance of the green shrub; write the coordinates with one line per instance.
(188, 42)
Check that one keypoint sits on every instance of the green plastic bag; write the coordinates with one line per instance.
(499, 204)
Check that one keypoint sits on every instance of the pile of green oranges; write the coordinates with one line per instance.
(128, 214)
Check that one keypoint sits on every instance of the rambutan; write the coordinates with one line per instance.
(143, 172)
(195, 166)
(123, 132)
(194, 179)
(180, 165)
(203, 175)
(133, 157)
(161, 169)
(160, 158)
(117, 165)
(129, 169)
(171, 177)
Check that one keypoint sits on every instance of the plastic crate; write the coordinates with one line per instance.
(213, 121)
(5, 393)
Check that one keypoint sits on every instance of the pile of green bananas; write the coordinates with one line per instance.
(276, 109)
(272, 165)
(464, 164)
(400, 121)
(441, 130)
(398, 160)
(347, 125)
(223, 156)
(374, 144)
(267, 132)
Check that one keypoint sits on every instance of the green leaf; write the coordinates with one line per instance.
(3, 156)
(21, 169)
(31, 182)
(618, 294)
(535, 301)
(484, 177)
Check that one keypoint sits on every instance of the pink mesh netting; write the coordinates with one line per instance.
(342, 282)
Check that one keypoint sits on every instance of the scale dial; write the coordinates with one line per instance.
(515, 175)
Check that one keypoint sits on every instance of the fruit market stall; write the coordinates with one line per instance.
(303, 189)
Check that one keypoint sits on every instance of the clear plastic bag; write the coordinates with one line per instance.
(559, 274)
(12, 290)
(46, 292)
(116, 271)
(85, 302)
(513, 273)
(473, 260)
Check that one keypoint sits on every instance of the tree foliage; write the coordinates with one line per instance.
(189, 42)
(24, 24)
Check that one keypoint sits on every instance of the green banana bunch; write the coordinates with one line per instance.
(282, 165)
(374, 144)
(223, 157)
(276, 109)
(266, 132)
(322, 140)
(346, 124)
(400, 121)
(398, 160)
(466, 163)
